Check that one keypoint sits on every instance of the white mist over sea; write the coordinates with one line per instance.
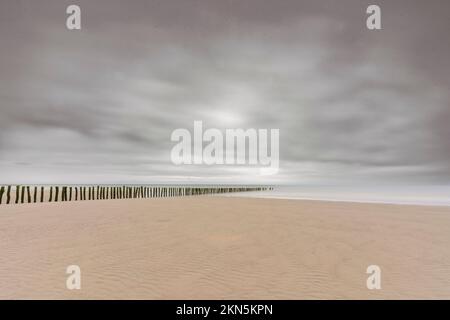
(416, 195)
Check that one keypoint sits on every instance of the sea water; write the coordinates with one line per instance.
(416, 195)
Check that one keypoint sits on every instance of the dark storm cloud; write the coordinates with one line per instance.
(100, 104)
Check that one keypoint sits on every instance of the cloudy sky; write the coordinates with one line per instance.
(98, 105)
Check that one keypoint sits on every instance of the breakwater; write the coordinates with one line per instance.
(18, 194)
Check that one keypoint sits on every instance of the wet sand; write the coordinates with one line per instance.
(212, 247)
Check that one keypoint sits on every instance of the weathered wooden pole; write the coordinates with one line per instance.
(56, 194)
(8, 195)
(28, 194)
(29, 198)
(22, 195)
(17, 194)
(2, 191)
(50, 195)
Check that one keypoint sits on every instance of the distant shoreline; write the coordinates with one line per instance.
(336, 200)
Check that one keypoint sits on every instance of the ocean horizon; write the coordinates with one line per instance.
(431, 195)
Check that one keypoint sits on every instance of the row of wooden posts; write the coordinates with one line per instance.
(34, 194)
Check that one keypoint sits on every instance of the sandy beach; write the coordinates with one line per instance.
(213, 247)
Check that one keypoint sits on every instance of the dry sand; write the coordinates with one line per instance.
(223, 248)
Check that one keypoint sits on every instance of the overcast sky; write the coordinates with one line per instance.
(98, 105)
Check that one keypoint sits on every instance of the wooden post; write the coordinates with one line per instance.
(56, 194)
(17, 194)
(8, 195)
(28, 194)
(2, 191)
(22, 195)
